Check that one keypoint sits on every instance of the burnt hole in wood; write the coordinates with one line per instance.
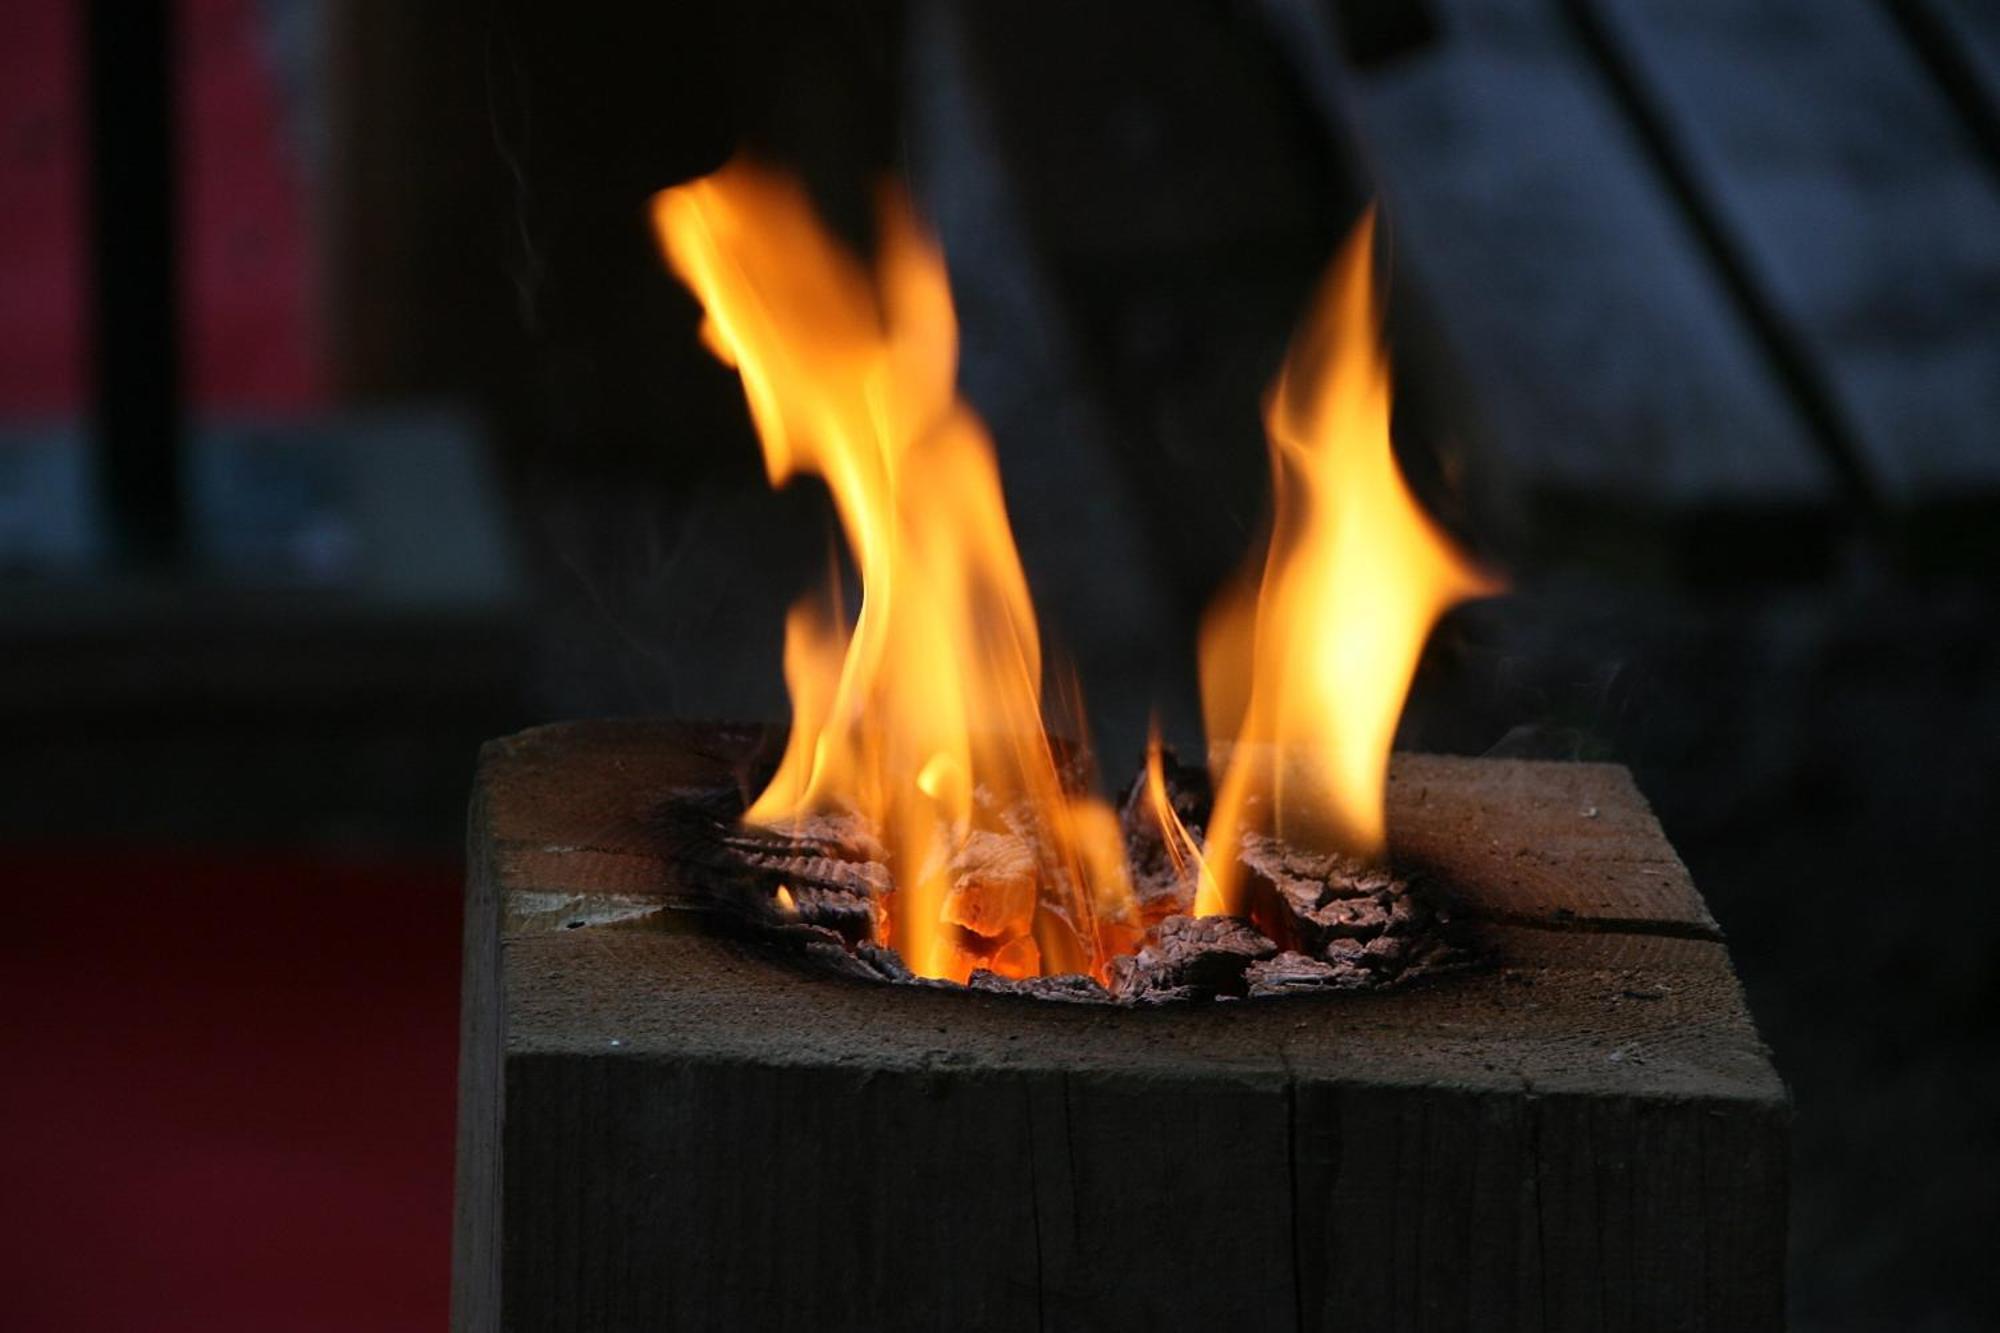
(820, 890)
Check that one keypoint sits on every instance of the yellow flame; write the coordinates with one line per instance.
(1306, 673)
(1183, 852)
(785, 902)
(925, 717)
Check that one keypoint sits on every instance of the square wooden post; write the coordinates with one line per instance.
(662, 1129)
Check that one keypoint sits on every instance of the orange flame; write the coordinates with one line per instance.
(1307, 673)
(926, 717)
(1183, 852)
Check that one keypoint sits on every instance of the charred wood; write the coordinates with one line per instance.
(1201, 956)
(1073, 987)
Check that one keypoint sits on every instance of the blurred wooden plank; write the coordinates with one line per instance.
(1977, 24)
(1857, 202)
(1618, 393)
(1960, 41)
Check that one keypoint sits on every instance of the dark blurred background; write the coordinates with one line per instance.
(348, 417)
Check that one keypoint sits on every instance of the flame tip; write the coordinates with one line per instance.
(1309, 673)
(929, 703)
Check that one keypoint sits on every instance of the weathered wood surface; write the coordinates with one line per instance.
(1860, 205)
(1614, 381)
(660, 1128)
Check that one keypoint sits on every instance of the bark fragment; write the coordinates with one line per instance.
(1291, 972)
(1072, 987)
(1202, 955)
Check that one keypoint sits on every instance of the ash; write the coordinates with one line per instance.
(1317, 922)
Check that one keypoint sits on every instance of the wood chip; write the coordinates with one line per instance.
(1314, 898)
(1291, 972)
(853, 915)
(1206, 955)
(1073, 988)
(702, 828)
(836, 835)
(1018, 957)
(1313, 875)
(888, 964)
(1163, 887)
(1385, 953)
(1320, 921)
(993, 879)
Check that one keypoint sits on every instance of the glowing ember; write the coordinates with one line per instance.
(925, 719)
(1305, 673)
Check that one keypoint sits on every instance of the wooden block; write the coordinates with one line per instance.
(660, 1128)
(1617, 391)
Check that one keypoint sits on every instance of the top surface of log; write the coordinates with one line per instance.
(1610, 976)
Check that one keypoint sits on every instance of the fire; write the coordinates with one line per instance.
(1182, 851)
(924, 716)
(1306, 672)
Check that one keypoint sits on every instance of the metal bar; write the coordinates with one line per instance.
(135, 290)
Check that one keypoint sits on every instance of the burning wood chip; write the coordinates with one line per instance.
(1292, 971)
(836, 953)
(834, 835)
(1166, 994)
(830, 851)
(1162, 888)
(835, 957)
(1341, 919)
(1018, 957)
(1188, 791)
(701, 828)
(887, 963)
(1202, 955)
(992, 886)
(819, 943)
(1164, 885)
(851, 915)
(822, 875)
(1073, 987)
(1314, 876)
(1319, 921)
(967, 953)
(1317, 898)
